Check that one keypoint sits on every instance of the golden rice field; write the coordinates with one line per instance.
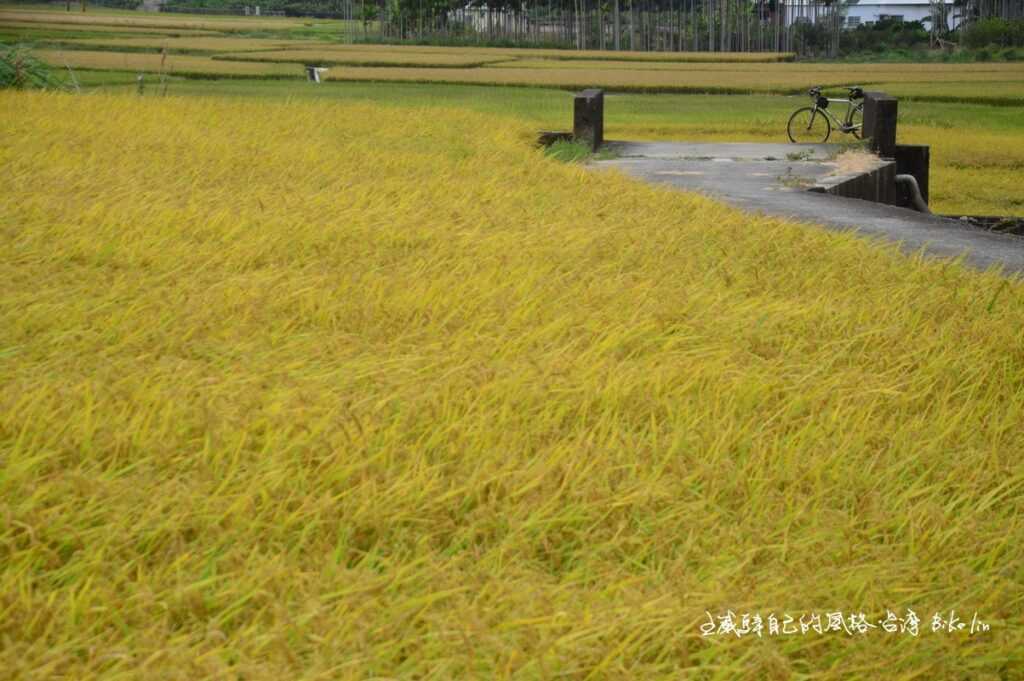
(176, 64)
(149, 20)
(896, 72)
(591, 55)
(974, 170)
(984, 84)
(972, 82)
(198, 43)
(31, 26)
(977, 89)
(655, 72)
(368, 58)
(331, 391)
(557, 76)
(685, 57)
(13, 17)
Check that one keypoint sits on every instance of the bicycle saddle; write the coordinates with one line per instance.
(856, 92)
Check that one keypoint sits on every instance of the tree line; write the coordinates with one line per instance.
(801, 26)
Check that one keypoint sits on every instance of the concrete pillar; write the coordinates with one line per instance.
(588, 118)
(913, 159)
(880, 111)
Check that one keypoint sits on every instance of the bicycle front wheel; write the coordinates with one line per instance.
(857, 121)
(808, 125)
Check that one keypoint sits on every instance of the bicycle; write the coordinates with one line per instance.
(814, 123)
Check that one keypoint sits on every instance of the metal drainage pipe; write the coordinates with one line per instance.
(910, 182)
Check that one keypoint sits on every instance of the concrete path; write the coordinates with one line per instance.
(774, 178)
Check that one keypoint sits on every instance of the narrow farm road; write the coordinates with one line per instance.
(773, 179)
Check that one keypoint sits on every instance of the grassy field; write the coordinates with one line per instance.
(340, 390)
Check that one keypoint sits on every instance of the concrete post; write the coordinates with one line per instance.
(880, 112)
(912, 159)
(588, 118)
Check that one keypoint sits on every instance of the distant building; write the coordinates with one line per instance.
(856, 13)
(482, 19)
(870, 11)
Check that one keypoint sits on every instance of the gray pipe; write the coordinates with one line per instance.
(910, 182)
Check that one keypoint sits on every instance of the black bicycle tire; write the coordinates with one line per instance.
(828, 124)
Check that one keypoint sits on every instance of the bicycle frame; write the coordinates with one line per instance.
(845, 125)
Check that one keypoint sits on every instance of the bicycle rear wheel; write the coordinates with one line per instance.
(808, 125)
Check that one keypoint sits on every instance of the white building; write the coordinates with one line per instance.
(483, 19)
(870, 11)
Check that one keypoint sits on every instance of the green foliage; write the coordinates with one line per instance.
(569, 151)
(883, 36)
(984, 40)
(811, 38)
(312, 8)
(998, 32)
(118, 4)
(368, 12)
(21, 71)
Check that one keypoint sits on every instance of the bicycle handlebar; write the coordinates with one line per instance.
(856, 92)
